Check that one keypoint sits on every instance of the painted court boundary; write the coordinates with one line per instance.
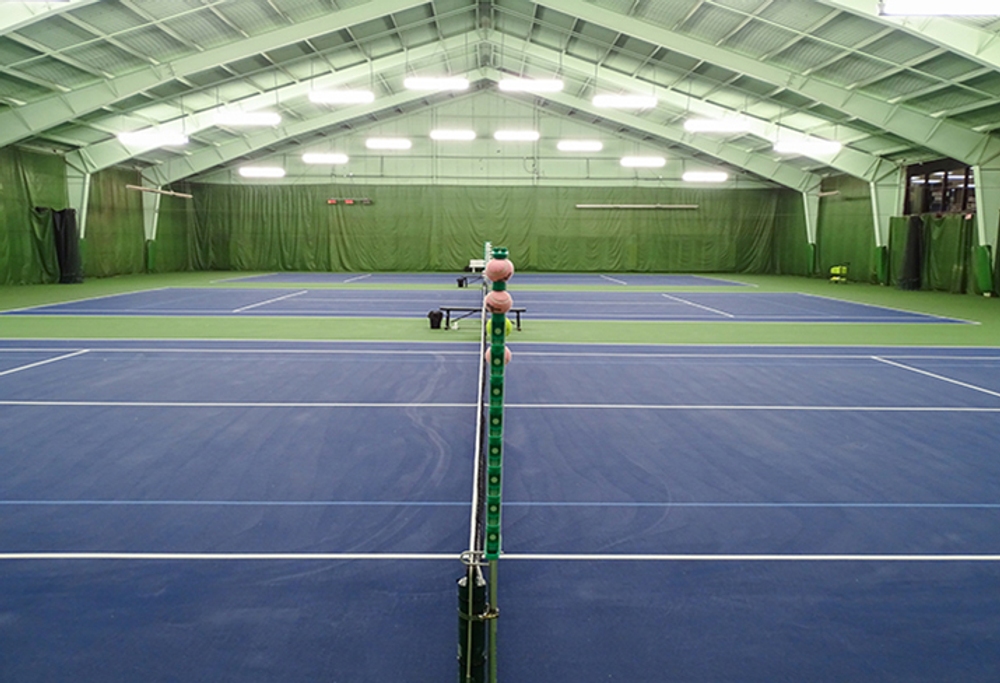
(456, 557)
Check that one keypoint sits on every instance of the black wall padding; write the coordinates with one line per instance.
(67, 242)
(914, 255)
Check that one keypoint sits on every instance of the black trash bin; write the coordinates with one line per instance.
(436, 317)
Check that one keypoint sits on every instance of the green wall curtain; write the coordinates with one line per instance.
(114, 243)
(27, 245)
(846, 230)
(414, 228)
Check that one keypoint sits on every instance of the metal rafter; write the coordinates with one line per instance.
(17, 15)
(111, 152)
(56, 110)
(943, 136)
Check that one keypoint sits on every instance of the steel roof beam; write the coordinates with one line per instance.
(17, 15)
(209, 157)
(943, 136)
(23, 122)
(965, 39)
(849, 161)
(111, 152)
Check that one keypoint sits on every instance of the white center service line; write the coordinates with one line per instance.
(270, 301)
(936, 376)
(620, 282)
(705, 308)
(359, 277)
(43, 362)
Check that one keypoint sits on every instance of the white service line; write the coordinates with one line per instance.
(43, 362)
(790, 408)
(620, 282)
(454, 557)
(270, 301)
(691, 303)
(226, 404)
(359, 277)
(936, 376)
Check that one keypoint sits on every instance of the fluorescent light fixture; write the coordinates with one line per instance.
(808, 147)
(448, 134)
(716, 126)
(432, 83)
(151, 137)
(952, 8)
(580, 145)
(262, 172)
(516, 135)
(705, 177)
(247, 118)
(324, 158)
(624, 101)
(531, 85)
(643, 162)
(388, 143)
(341, 96)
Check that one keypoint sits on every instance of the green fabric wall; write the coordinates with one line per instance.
(179, 244)
(114, 243)
(846, 229)
(413, 228)
(27, 247)
(791, 242)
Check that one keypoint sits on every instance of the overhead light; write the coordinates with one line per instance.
(580, 145)
(624, 101)
(808, 147)
(716, 126)
(530, 85)
(388, 143)
(324, 158)
(953, 8)
(516, 135)
(643, 162)
(705, 177)
(341, 96)
(247, 118)
(262, 172)
(432, 83)
(151, 137)
(447, 134)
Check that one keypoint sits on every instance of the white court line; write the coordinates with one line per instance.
(270, 301)
(936, 376)
(642, 406)
(691, 303)
(513, 406)
(455, 557)
(227, 404)
(884, 308)
(359, 277)
(620, 282)
(43, 362)
(87, 298)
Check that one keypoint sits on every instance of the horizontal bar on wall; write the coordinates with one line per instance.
(154, 190)
(637, 206)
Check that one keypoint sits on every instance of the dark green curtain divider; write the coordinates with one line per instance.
(791, 242)
(27, 244)
(948, 248)
(114, 241)
(439, 228)
(898, 230)
(846, 230)
(981, 279)
(179, 245)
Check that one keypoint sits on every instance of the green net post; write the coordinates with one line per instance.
(494, 478)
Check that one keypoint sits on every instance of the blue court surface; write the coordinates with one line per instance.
(523, 279)
(228, 511)
(541, 305)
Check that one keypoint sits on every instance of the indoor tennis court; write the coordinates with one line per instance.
(499, 341)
